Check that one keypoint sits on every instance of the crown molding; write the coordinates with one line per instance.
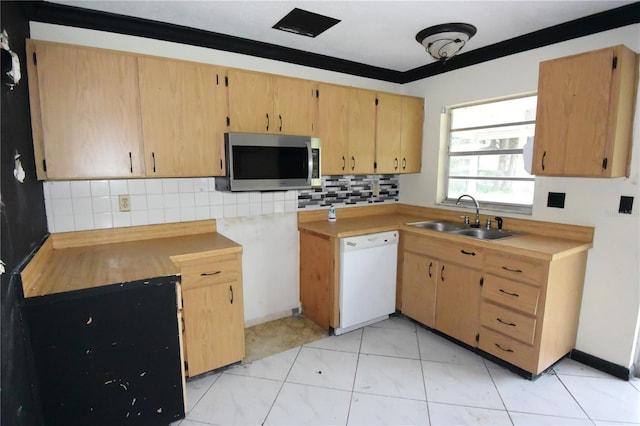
(53, 13)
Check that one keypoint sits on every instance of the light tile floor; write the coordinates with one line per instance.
(395, 372)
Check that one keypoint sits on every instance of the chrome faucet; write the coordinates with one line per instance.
(477, 222)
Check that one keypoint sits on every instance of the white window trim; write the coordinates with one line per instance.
(524, 209)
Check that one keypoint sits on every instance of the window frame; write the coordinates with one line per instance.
(525, 209)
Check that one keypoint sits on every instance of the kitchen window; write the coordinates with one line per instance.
(486, 153)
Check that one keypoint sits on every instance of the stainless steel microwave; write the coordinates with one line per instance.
(264, 162)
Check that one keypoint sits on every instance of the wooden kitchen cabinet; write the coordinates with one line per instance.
(265, 103)
(456, 268)
(419, 286)
(333, 128)
(346, 120)
(85, 111)
(457, 301)
(183, 110)
(213, 312)
(399, 121)
(362, 132)
(388, 129)
(411, 134)
(585, 114)
(530, 308)
(319, 278)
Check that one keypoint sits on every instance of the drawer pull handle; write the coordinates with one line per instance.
(506, 268)
(468, 253)
(505, 322)
(503, 349)
(430, 266)
(510, 294)
(208, 274)
(231, 290)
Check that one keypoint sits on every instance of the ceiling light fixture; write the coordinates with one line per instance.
(445, 40)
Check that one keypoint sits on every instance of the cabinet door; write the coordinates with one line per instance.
(458, 302)
(89, 111)
(251, 102)
(183, 117)
(214, 326)
(388, 124)
(333, 127)
(411, 134)
(572, 114)
(295, 104)
(419, 288)
(362, 131)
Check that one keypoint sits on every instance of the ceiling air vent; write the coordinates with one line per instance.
(305, 23)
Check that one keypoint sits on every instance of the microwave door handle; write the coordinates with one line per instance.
(310, 162)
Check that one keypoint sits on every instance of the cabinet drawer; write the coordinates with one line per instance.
(462, 254)
(513, 294)
(532, 271)
(210, 271)
(506, 321)
(508, 349)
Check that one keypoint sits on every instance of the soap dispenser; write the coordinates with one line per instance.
(332, 214)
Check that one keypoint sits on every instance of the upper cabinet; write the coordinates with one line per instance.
(364, 132)
(333, 128)
(399, 122)
(346, 119)
(102, 114)
(264, 103)
(585, 114)
(85, 112)
(183, 109)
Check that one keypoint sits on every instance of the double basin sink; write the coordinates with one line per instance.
(465, 230)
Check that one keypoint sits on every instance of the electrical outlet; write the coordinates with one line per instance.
(125, 203)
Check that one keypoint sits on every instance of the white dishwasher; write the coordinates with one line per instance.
(367, 279)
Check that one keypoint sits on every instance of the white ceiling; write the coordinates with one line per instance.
(377, 33)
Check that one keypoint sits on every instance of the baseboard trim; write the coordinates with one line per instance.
(600, 364)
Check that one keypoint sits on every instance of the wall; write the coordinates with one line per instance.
(265, 224)
(23, 227)
(611, 300)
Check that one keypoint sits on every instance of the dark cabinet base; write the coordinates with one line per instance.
(108, 355)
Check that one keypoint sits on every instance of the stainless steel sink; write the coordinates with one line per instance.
(484, 234)
(435, 225)
(465, 230)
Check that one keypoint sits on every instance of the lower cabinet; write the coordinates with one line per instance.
(441, 285)
(530, 308)
(419, 286)
(457, 301)
(521, 309)
(213, 316)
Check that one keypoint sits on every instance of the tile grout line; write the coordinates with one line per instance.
(424, 380)
(353, 385)
(201, 396)
(573, 397)
(281, 386)
(497, 390)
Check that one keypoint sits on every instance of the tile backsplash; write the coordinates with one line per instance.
(84, 205)
(349, 190)
(94, 204)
